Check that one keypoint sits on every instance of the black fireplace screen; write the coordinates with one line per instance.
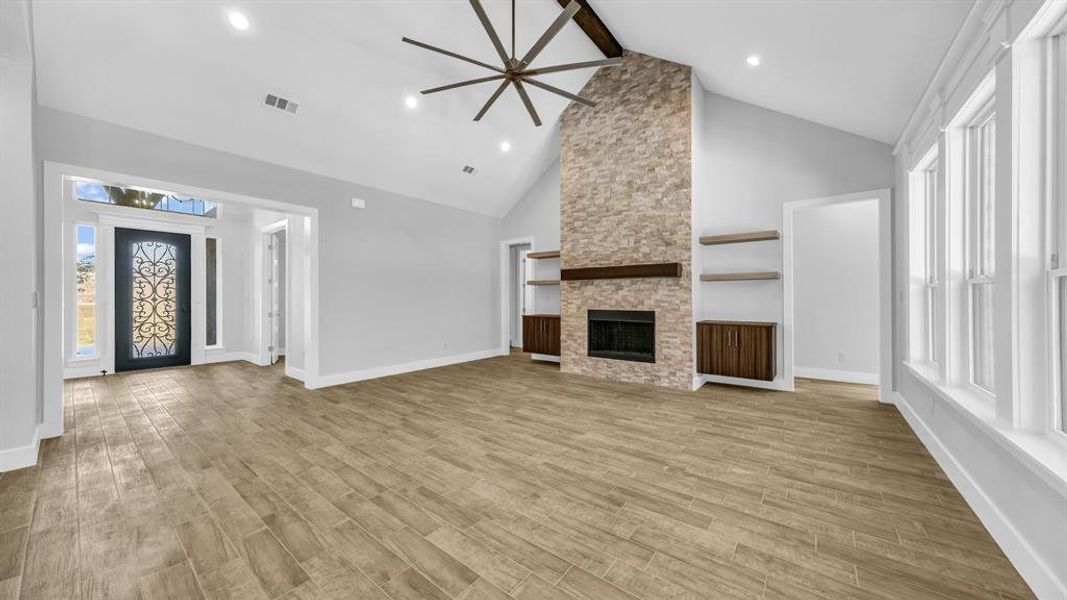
(623, 335)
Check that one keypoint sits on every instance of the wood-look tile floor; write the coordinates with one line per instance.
(490, 480)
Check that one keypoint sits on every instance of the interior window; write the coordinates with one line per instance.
(92, 191)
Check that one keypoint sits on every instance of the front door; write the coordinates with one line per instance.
(151, 299)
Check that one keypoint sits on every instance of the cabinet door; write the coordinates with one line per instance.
(552, 337)
(756, 352)
(720, 350)
(704, 350)
(531, 336)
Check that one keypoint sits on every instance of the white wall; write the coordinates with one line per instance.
(752, 161)
(20, 408)
(536, 215)
(835, 292)
(401, 281)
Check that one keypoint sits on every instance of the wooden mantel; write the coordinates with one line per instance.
(671, 269)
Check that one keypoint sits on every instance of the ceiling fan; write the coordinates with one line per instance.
(516, 71)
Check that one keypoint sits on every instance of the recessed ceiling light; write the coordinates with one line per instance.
(411, 101)
(753, 60)
(238, 20)
(505, 146)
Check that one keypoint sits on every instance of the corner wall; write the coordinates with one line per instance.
(20, 408)
(751, 161)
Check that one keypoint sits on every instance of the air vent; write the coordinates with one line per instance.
(469, 170)
(281, 103)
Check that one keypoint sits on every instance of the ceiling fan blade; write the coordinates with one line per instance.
(551, 32)
(452, 54)
(556, 90)
(526, 100)
(462, 84)
(484, 18)
(607, 62)
(492, 99)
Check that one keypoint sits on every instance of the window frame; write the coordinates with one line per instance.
(975, 271)
(1056, 270)
(219, 341)
(934, 232)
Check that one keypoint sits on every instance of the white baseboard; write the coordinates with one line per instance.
(230, 357)
(295, 373)
(419, 365)
(545, 357)
(1029, 564)
(778, 383)
(22, 456)
(81, 371)
(834, 375)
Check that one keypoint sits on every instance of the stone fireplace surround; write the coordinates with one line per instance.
(625, 199)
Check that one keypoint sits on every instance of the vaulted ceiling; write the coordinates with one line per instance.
(179, 70)
(856, 65)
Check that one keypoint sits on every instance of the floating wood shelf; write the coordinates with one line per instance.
(672, 269)
(737, 238)
(543, 282)
(750, 276)
(543, 254)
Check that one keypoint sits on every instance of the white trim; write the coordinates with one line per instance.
(1039, 576)
(409, 367)
(22, 456)
(779, 383)
(505, 282)
(152, 224)
(294, 373)
(545, 357)
(835, 375)
(222, 357)
(885, 284)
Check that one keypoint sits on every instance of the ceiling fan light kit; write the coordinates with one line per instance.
(516, 72)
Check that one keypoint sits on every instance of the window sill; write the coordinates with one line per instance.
(1045, 453)
(74, 360)
(214, 349)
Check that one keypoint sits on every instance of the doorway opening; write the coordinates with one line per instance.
(517, 275)
(184, 296)
(275, 290)
(836, 280)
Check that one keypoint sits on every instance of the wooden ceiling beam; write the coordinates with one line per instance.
(593, 27)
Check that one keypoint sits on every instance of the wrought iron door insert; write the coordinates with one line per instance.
(151, 299)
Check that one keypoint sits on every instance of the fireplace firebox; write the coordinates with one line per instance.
(623, 335)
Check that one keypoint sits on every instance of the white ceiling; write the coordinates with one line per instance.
(177, 69)
(857, 65)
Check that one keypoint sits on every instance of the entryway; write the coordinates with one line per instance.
(836, 276)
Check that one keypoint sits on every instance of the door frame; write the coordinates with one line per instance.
(51, 296)
(505, 290)
(122, 305)
(885, 283)
(266, 329)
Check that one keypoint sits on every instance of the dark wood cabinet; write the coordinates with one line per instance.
(744, 349)
(540, 334)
